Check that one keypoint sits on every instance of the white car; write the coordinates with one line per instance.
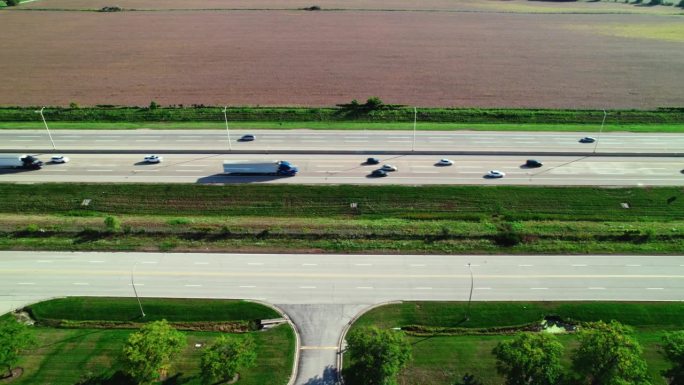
(445, 162)
(153, 159)
(495, 174)
(388, 167)
(59, 159)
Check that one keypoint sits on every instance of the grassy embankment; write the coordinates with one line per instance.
(445, 347)
(388, 219)
(70, 355)
(346, 118)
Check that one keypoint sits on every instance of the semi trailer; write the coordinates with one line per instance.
(27, 162)
(278, 167)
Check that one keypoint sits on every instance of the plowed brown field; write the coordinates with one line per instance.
(245, 57)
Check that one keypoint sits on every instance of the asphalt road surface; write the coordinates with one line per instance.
(322, 293)
(353, 140)
(349, 169)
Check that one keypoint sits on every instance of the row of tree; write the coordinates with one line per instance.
(148, 353)
(607, 354)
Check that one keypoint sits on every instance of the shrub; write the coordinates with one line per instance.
(73, 105)
(112, 223)
(374, 103)
(32, 228)
(11, 3)
(153, 105)
(178, 221)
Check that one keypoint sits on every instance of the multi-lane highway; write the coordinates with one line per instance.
(335, 140)
(321, 293)
(319, 169)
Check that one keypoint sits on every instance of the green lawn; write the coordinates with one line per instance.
(70, 356)
(421, 126)
(440, 359)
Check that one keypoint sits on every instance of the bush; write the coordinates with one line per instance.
(374, 103)
(73, 105)
(112, 223)
(11, 3)
(153, 105)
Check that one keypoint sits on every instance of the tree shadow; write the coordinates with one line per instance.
(235, 179)
(329, 377)
(116, 378)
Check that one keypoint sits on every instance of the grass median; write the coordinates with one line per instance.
(386, 219)
(445, 347)
(82, 355)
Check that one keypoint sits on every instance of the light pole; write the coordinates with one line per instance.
(470, 296)
(600, 131)
(415, 119)
(136, 291)
(225, 117)
(46, 127)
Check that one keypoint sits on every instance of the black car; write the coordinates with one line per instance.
(379, 173)
(372, 161)
(587, 139)
(247, 138)
(533, 163)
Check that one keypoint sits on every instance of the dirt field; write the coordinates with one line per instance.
(322, 58)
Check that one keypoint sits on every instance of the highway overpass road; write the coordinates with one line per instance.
(348, 169)
(321, 293)
(331, 140)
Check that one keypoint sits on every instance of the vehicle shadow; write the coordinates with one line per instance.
(8, 171)
(235, 179)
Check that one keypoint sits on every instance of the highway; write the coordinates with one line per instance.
(321, 293)
(340, 140)
(348, 169)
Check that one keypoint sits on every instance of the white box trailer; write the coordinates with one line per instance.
(28, 162)
(242, 167)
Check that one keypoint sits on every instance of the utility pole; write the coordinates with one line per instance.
(470, 296)
(136, 291)
(415, 119)
(600, 131)
(225, 116)
(46, 127)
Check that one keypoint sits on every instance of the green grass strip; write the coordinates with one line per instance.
(126, 309)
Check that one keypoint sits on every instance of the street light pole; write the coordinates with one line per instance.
(470, 296)
(136, 291)
(600, 131)
(415, 118)
(46, 127)
(225, 116)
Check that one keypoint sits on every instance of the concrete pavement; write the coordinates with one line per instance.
(321, 293)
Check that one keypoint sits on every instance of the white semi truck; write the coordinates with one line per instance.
(278, 167)
(27, 162)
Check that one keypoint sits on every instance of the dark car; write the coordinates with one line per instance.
(379, 173)
(372, 161)
(247, 138)
(587, 139)
(532, 163)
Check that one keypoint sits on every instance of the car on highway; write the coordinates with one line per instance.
(247, 138)
(59, 159)
(388, 167)
(153, 159)
(533, 163)
(372, 161)
(587, 139)
(445, 162)
(495, 174)
(378, 173)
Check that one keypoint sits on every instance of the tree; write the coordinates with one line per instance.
(673, 350)
(373, 103)
(378, 355)
(112, 223)
(15, 337)
(530, 359)
(609, 355)
(148, 352)
(11, 3)
(153, 105)
(225, 356)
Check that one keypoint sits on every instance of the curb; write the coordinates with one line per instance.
(38, 152)
(295, 362)
(340, 341)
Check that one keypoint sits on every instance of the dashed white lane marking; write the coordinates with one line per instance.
(309, 264)
(356, 141)
(426, 172)
(398, 137)
(307, 287)
(524, 265)
(597, 288)
(248, 286)
(98, 170)
(21, 140)
(146, 140)
(655, 288)
(255, 263)
(363, 264)
(187, 140)
(96, 261)
(44, 261)
(539, 288)
(483, 288)
(364, 287)
(149, 262)
(81, 283)
(134, 170)
(25, 283)
(632, 265)
(422, 288)
(21, 136)
(190, 137)
(105, 140)
(201, 263)
(192, 285)
(579, 265)
(399, 141)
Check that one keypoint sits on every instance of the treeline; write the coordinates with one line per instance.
(344, 112)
